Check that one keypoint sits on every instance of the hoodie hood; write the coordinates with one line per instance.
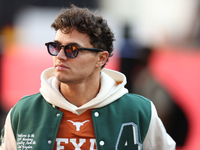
(112, 88)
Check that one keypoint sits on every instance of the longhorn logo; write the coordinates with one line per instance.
(78, 124)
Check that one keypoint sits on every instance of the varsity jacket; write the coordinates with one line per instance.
(121, 120)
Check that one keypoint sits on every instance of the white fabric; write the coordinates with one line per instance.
(109, 91)
(157, 138)
(9, 142)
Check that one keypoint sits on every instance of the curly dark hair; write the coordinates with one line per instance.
(85, 21)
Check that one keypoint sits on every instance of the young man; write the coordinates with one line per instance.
(80, 105)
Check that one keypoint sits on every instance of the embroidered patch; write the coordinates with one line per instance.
(78, 124)
(128, 137)
(25, 141)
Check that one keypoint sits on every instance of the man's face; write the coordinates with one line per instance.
(75, 70)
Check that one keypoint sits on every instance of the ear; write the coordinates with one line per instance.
(102, 58)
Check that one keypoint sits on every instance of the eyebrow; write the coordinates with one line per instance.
(73, 43)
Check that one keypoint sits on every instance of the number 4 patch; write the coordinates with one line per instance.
(128, 138)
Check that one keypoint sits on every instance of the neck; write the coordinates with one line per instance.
(79, 94)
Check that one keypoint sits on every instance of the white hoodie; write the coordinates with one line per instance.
(112, 88)
(109, 92)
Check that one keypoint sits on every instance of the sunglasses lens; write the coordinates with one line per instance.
(71, 51)
(54, 49)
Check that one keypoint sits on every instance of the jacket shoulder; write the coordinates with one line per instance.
(28, 101)
(136, 101)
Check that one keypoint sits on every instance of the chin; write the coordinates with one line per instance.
(63, 79)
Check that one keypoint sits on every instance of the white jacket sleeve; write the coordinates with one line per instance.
(157, 137)
(8, 141)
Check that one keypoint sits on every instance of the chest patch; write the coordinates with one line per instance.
(78, 124)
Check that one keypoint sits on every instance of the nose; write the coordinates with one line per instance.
(61, 54)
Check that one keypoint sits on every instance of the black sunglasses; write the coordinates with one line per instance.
(70, 50)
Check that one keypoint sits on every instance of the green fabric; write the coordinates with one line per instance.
(130, 108)
(35, 122)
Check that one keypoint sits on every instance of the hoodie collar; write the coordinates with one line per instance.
(112, 88)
